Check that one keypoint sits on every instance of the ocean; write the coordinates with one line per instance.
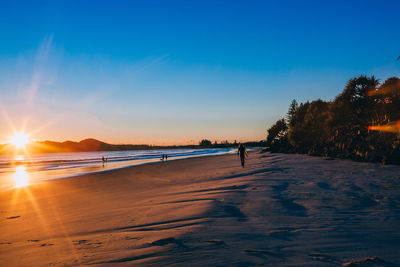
(23, 170)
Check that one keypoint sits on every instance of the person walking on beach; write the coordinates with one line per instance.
(242, 152)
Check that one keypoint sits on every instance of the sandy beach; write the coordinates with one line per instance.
(280, 210)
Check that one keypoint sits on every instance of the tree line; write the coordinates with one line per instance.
(206, 143)
(361, 123)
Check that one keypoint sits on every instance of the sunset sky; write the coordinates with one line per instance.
(174, 72)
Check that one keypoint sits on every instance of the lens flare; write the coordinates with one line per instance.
(393, 127)
(19, 140)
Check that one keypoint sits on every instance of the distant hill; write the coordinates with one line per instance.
(90, 145)
(86, 145)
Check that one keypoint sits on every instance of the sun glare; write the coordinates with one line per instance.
(21, 177)
(19, 140)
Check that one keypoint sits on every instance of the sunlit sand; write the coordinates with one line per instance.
(280, 210)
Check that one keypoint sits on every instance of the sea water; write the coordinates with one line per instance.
(23, 170)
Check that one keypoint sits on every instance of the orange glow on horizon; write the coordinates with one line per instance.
(19, 140)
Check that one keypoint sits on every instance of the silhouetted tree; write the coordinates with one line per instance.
(341, 127)
(309, 131)
(205, 143)
(351, 111)
(277, 136)
(292, 111)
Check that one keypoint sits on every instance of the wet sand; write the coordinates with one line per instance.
(280, 210)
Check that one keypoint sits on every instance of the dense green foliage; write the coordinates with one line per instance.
(363, 122)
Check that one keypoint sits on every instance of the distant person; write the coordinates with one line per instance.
(166, 157)
(163, 156)
(103, 159)
(242, 152)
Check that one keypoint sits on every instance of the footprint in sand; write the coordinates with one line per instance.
(46, 244)
(320, 257)
(13, 217)
(33, 240)
(87, 243)
(277, 232)
(282, 232)
(257, 251)
(164, 241)
(5, 243)
(80, 242)
(216, 241)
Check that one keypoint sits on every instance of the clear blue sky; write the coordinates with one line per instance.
(163, 72)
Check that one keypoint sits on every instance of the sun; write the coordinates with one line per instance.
(19, 140)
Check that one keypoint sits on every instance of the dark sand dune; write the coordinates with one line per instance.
(281, 210)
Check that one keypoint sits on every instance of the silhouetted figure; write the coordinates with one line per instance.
(163, 157)
(242, 152)
(166, 157)
(103, 159)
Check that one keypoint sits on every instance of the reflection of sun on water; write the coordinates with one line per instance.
(19, 158)
(21, 177)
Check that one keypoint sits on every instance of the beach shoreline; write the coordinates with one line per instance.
(70, 165)
(281, 210)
